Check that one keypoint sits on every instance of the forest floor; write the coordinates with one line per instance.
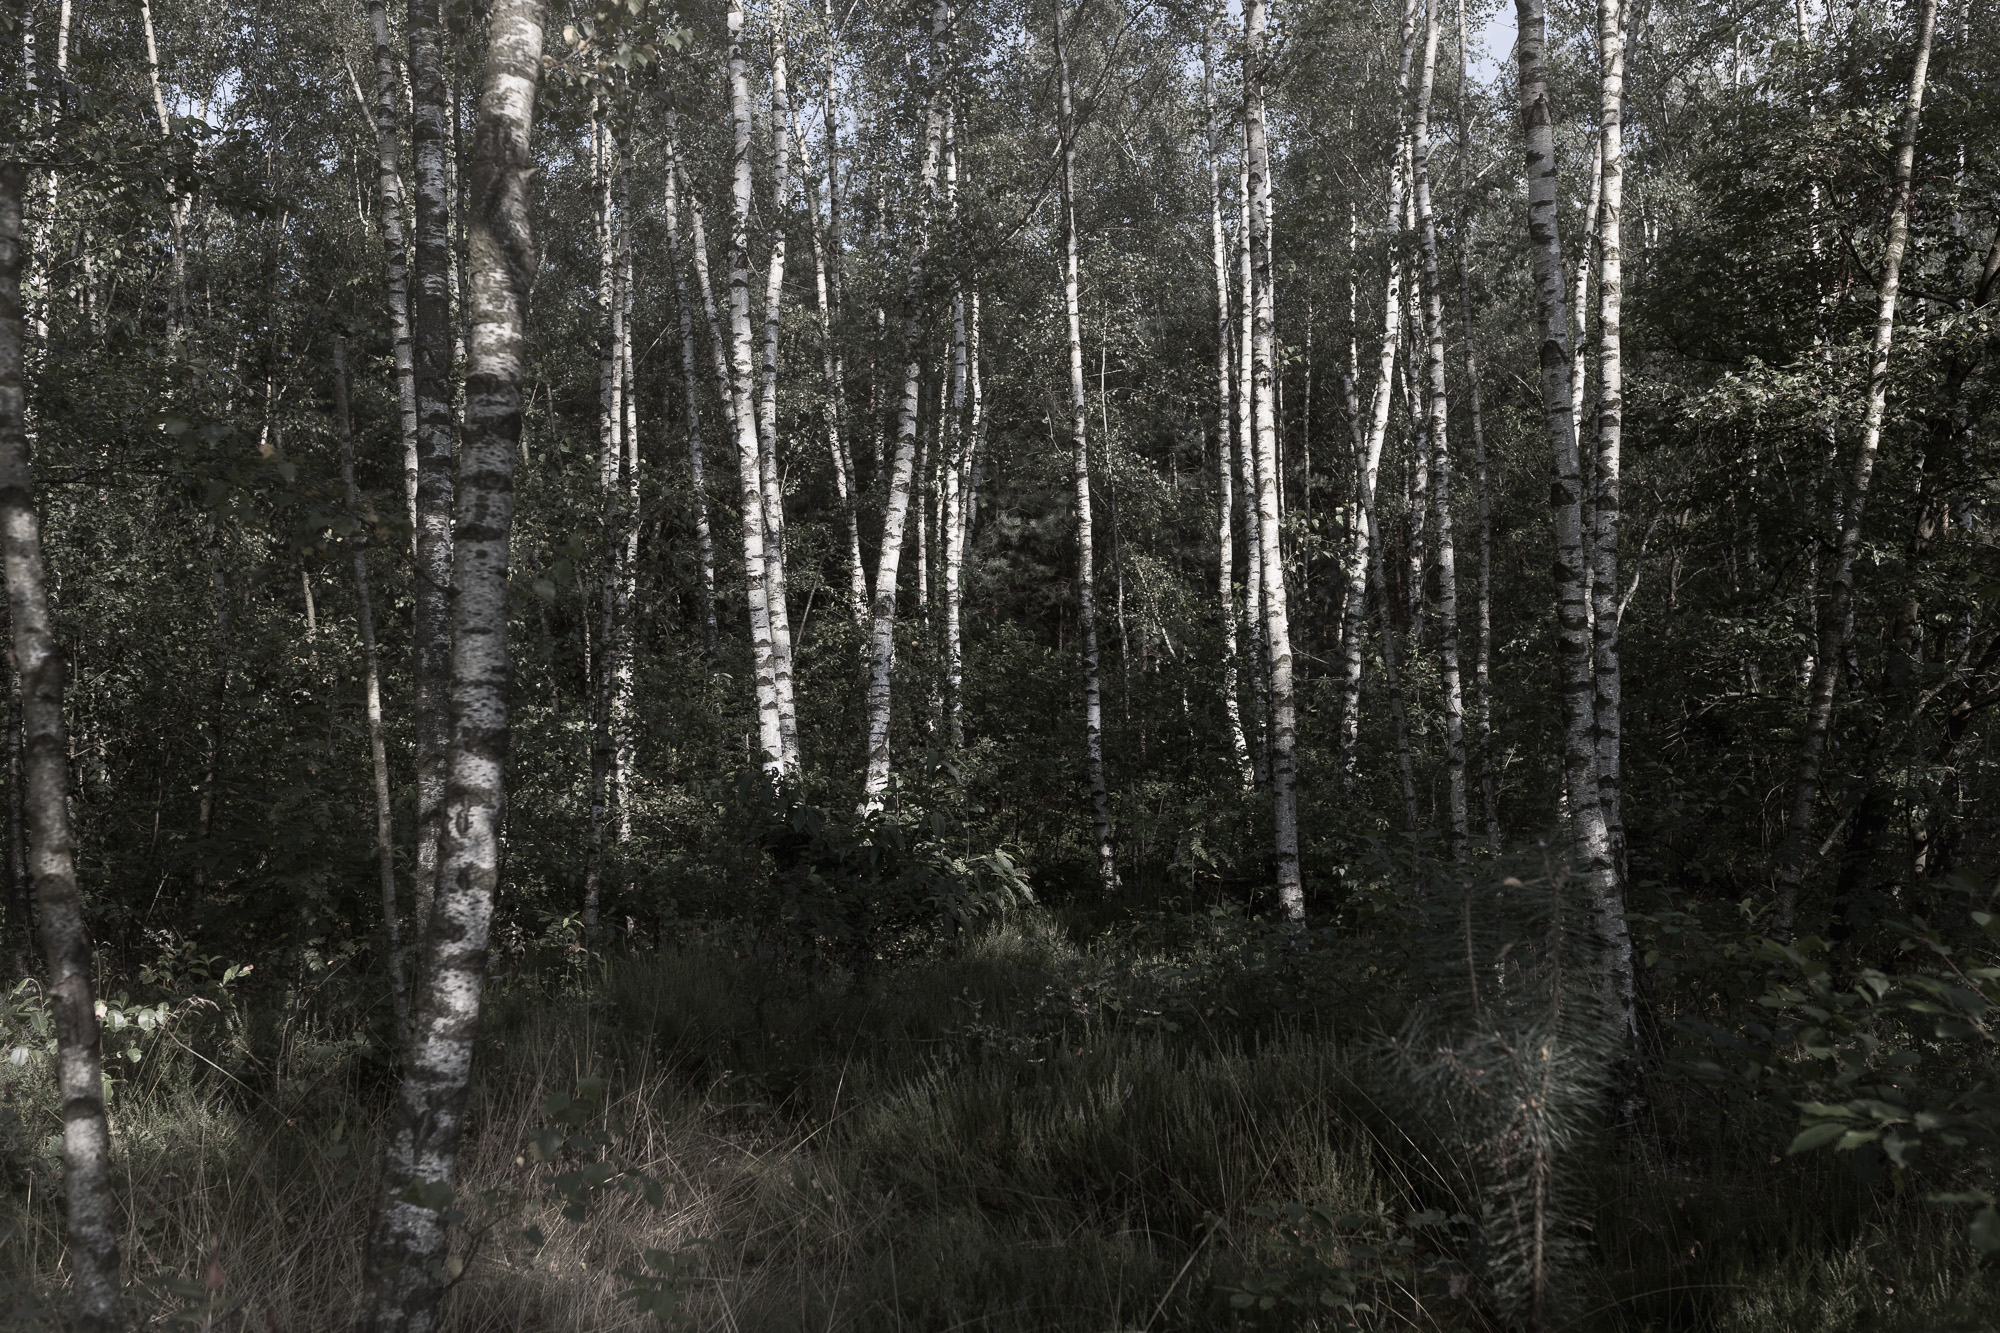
(1043, 1127)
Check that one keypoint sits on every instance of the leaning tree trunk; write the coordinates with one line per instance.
(90, 1213)
(1447, 558)
(1086, 574)
(896, 509)
(371, 667)
(430, 140)
(405, 1256)
(1225, 537)
(1368, 462)
(705, 542)
(395, 255)
(1264, 436)
(1836, 629)
(1590, 842)
(1610, 425)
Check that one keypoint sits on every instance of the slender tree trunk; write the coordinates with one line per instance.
(610, 490)
(1079, 422)
(1591, 846)
(951, 516)
(623, 742)
(1836, 628)
(371, 667)
(959, 521)
(1368, 460)
(432, 328)
(1392, 681)
(749, 477)
(1482, 671)
(1246, 471)
(1447, 558)
(218, 704)
(882, 632)
(1605, 515)
(1225, 540)
(90, 1212)
(767, 401)
(405, 1258)
(395, 255)
(1264, 434)
(697, 485)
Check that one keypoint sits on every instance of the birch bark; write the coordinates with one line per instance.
(1836, 628)
(1447, 558)
(1605, 506)
(431, 325)
(1590, 841)
(1264, 435)
(1482, 671)
(769, 478)
(395, 254)
(1225, 539)
(405, 1254)
(90, 1212)
(882, 632)
(1368, 460)
(371, 668)
(1086, 576)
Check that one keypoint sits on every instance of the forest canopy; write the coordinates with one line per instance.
(1094, 665)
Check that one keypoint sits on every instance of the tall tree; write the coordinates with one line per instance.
(1590, 844)
(1836, 625)
(90, 1211)
(1605, 672)
(1079, 422)
(395, 253)
(405, 1257)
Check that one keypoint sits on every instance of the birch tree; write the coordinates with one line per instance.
(1264, 437)
(1836, 625)
(691, 380)
(1605, 516)
(1590, 854)
(405, 1255)
(1079, 423)
(395, 253)
(896, 507)
(90, 1212)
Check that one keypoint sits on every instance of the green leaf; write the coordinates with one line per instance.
(1814, 1136)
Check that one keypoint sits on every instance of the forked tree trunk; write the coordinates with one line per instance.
(404, 1264)
(1368, 463)
(896, 507)
(1440, 451)
(371, 669)
(395, 255)
(1590, 854)
(1836, 628)
(1079, 421)
(431, 322)
(705, 541)
(1225, 538)
(1264, 436)
(90, 1212)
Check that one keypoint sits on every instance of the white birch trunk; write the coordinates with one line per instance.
(1482, 671)
(1836, 628)
(1225, 540)
(610, 453)
(767, 399)
(882, 630)
(1605, 515)
(1447, 558)
(405, 1255)
(1264, 436)
(1246, 471)
(1368, 462)
(1590, 854)
(90, 1212)
(395, 255)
